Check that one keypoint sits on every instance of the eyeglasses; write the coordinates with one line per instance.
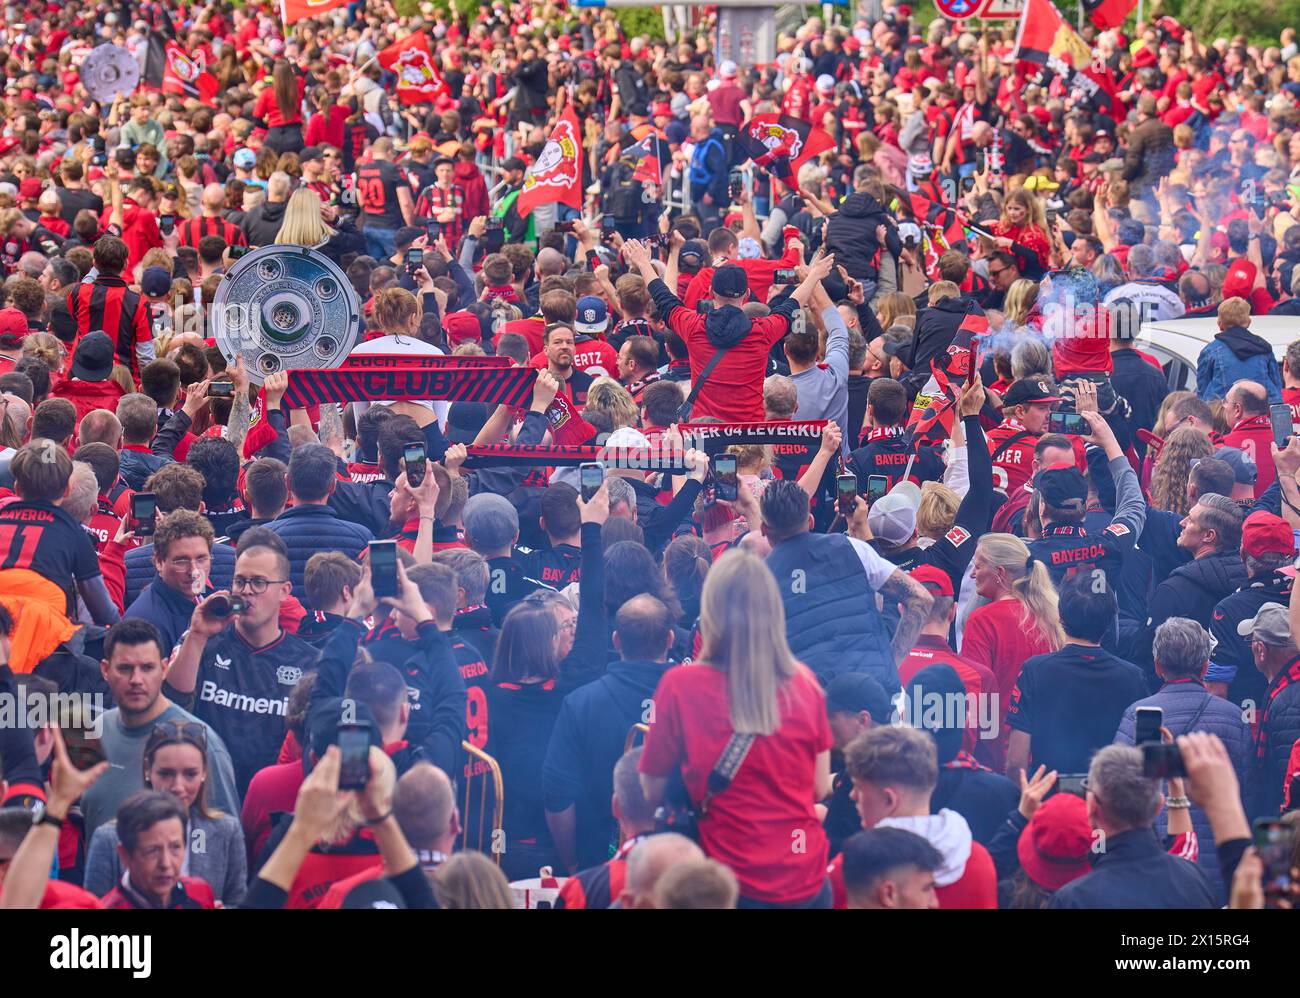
(203, 559)
(255, 585)
(995, 273)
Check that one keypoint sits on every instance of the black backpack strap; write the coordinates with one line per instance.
(1011, 441)
(684, 414)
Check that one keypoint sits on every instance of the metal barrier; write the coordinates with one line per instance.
(482, 764)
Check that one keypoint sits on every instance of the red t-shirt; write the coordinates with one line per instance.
(996, 638)
(273, 790)
(1253, 437)
(1012, 467)
(1291, 396)
(763, 826)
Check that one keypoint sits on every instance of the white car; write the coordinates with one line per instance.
(1177, 343)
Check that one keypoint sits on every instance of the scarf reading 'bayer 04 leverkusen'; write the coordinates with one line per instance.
(433, 378)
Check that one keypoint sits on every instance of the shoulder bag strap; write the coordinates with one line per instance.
(725, 769)
(685, 412)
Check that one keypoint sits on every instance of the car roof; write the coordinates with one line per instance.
(1185, 338)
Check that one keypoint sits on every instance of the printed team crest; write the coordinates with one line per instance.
(958, 536)
(785, 142)
(559, 163)
(415, 69)
(288, 675)
(184, 66)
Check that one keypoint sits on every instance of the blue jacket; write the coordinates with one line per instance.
(1188, 706)
(140, 570)
(308, 529)
(1237, 354)
(831, 620)
(1136, 872)
(166, 608)
(137, 466)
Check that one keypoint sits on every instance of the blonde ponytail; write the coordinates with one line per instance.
(1030, 584)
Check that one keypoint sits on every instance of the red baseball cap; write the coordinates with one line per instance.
(1053, 848)
(1237, 282)
(13, 327)
(462, 327)
(1261, 533)
(936, 580)
(30, 189)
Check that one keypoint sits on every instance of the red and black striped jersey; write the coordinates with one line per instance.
(108, 304)
(190, 231)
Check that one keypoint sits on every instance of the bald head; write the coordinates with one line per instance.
(643, 629)
(550, 262)
(1251, 396)
(981, 133)
(425, 808)
(649, 861)
(214, 198)
(99, 426)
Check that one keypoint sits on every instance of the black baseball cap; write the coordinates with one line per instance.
(309, 154)
(93, 358)
(1028, 390)
(1062, 486)
(692, 254)
(730, 281)
(1244, 470)
(852, 692)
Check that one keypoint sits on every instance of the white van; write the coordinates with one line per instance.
(1176, 343)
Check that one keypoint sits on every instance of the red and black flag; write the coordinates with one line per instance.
(936, 404)
(1045, 39)
(651, 155)
(1108, 13)
(1094, 86)
(941, 227)
(780, 144)
(169, 68)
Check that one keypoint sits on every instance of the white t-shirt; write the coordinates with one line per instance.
(876, 567)
(411, 348)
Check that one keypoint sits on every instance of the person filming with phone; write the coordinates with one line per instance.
(236, 665)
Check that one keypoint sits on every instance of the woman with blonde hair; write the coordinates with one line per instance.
(1019, 302)
(471, 880)
(748, 691)
(303, 224)
(896, 307)
(936, 513)
(1019, 620)
(1183, 446)
(1023, 228)
(608, 396)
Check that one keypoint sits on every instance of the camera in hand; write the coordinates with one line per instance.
(846, 494)
(1071, 424)
(786, 275)
(877, 486)
(144, 513)
(735, 184)
(354, 750)
(383, 567)
(237, 251)
(725, 481)
(1160, 761)
(221, 390)
(591, 476)
(564, 226)
(413, 462)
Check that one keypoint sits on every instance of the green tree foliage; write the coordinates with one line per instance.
(1260, 22)
(641, 21)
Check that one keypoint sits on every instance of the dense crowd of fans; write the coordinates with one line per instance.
(961, 606)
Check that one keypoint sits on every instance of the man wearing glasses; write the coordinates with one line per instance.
(182, 555)
(236, 666)
(1004, 271)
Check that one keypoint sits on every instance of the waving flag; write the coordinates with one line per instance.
(651, 155)
(780, 144)
(556, 175)
(1108, 13)
(418, 79)
(292, 11)
(941, 228)
(1045, 39)
(169, 68)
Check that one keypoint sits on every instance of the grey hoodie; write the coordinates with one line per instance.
(824, 391)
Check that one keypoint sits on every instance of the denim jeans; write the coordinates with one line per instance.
(381, 243)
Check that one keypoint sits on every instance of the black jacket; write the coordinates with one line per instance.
(851, 235)
(1279, 730)
(262, 224)
(1192, 590)
(1134, 871)
(1143, 385)
(587, 741)
(935, 328)
(434, 688)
